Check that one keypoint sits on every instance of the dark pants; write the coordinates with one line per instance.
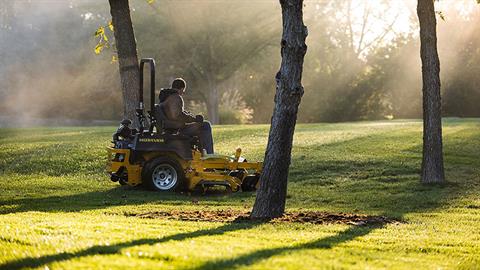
(203, 131)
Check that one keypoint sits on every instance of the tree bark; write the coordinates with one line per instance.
(432, 162)
(213, 103)
(271, 196)
(127, 56)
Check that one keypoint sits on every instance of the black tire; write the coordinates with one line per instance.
(121, 182)
(249, 183)
(163, 174)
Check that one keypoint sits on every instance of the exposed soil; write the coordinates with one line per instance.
(312, 217)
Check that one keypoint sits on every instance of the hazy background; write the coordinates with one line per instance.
(362, 62)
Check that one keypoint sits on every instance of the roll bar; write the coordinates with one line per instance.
(151, 63)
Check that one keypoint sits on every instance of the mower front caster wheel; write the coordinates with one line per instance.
(122, 182)
(163, 174)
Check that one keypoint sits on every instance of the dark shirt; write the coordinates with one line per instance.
(173, 107)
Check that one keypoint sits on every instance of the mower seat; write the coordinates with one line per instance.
(169, 128)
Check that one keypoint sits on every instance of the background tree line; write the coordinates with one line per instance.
(227, 52)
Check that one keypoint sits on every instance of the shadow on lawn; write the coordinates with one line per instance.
(116, 248)
(118, 196)
(263, 254)
(243, 260)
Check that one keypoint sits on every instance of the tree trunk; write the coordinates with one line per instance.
(213, 104)
(271, 196)
(127, 56)
(432, 162)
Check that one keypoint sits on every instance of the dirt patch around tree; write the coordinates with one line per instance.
(313, 217)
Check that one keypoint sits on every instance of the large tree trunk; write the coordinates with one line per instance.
(271, 196)
(432, 163)
(127, 56)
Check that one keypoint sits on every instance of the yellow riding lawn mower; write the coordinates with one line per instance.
(163, 159)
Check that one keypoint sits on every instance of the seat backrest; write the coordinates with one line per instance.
(159, 118)
(170, 127)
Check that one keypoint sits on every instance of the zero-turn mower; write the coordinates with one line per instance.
(164, 160)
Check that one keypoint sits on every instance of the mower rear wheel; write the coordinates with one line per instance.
(163, 174)
(250, 182)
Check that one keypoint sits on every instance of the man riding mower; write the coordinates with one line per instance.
(172, 149)
(172, 105)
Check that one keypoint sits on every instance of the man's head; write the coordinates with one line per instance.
(180, 85)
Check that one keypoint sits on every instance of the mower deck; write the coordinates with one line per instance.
(200, 172)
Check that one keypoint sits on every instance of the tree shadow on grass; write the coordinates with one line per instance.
(242, 260)
(118, 196)
(324, 243)
(116, 248)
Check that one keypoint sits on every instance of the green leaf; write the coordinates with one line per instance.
(152, 1)
(110, 24)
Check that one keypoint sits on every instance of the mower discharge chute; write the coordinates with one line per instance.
(163, 160)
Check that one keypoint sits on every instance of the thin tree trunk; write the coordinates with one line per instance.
(127, 56)
(271, 196)
(213, 103)
(432, 163)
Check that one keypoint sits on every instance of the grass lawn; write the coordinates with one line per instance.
(58, 210)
